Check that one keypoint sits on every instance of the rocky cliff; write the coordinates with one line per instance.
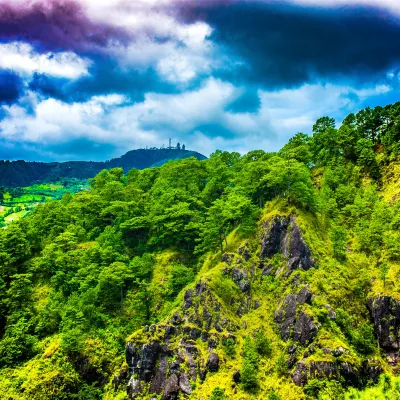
(271, 283)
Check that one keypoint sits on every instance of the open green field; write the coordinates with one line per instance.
(16, 203)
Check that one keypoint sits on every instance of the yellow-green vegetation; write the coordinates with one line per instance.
(263, 276)
(16, 203)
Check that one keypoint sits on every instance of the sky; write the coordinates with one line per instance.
(93, 79)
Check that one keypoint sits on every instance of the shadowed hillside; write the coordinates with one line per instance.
(22, 173)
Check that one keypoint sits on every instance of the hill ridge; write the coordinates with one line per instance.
(25, 173)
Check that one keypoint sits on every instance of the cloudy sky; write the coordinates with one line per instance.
(92, 79)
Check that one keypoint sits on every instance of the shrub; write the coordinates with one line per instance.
(273, 396)
(281, 365)
(218, 394)
(230, 348)
(263, 344)
(248, 376)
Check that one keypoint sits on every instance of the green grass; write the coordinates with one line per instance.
(26, 198)
(15, 216)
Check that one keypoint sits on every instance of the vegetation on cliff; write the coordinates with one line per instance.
(268, 275)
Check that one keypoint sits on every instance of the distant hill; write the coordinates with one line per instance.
(23, 173)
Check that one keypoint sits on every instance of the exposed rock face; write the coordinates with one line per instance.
(184, 384)
(343, 371)
(213, 362)
(143, 362)
(319, 370)
(240, 277)
(169, 359)
(282, 234)
(171, 391)
(134, 388)
(286, 316)
(298, 326)
(385, 314)
(272, 240)
(227, 258)
(188, 299)
(295, 249)
(304, 329)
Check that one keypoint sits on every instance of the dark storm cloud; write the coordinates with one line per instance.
(287, 45)
(248, 102)
(11, 87)
(105, 77)
(83, 149)
(55, 25)
(75, 150)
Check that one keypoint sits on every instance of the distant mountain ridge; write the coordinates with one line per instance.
(24, 173)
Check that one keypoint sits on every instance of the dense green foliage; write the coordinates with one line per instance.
(81, 274)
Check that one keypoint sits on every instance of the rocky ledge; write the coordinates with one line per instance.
(283, 235)
(385, 314)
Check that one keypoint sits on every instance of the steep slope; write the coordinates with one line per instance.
(282, 295)
(22, 173)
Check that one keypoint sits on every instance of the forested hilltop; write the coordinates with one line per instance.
(263, 276)
(22, 173)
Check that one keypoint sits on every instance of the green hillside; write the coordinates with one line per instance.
(22, 173)
(263, 276)
(19, 202)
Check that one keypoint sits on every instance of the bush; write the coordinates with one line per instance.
(364, 339)
(250, 366)
(248, 376)
(263, 344)
(281, 365)
(230, 348)
(273, 396)
(218, 394)
(181, 276)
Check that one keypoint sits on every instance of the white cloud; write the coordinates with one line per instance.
(183, 52)
(185, 117)
(22, 58)
(295, 110)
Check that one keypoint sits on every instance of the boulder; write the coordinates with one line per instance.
(213, 362)
(188, 299)
(171, 390)
(240, 277)
(236, 376)
(133, 388)
(184, 384)
(304, 296)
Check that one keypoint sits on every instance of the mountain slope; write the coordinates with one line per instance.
(267, 276)
(22, 173)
